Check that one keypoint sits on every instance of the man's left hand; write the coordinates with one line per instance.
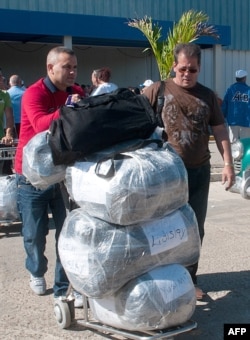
(228, 176)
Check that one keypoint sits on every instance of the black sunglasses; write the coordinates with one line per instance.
(189, 69)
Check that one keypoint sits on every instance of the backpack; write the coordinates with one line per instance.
(98, 122)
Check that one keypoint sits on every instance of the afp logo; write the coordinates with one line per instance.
(236, 330)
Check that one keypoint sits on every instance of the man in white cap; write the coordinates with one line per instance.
(146, 84)
(236, 107)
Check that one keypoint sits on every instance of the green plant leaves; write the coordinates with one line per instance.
(189, 28)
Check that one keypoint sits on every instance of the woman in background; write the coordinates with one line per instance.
(100, 79)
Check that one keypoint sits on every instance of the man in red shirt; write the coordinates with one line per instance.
(40, 105)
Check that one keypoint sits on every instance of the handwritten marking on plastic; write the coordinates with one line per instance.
(74, 256)
(166, 233)
(178, 285)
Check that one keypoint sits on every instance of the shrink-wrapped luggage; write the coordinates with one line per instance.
(162, 298)
(100, 257)
(8, 199)
(129, 187)
(38, 165)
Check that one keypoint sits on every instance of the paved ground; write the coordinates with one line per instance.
(216, 162)
(224, 273)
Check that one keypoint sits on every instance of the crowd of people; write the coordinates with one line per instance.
(189, 114)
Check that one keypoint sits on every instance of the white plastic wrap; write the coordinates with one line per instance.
(8, 199)
(133, 187)
(100, 257)
(162, 298)
(38, 165)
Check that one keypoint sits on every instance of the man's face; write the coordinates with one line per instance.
(186, 71)
(94, 79)
(63, 73)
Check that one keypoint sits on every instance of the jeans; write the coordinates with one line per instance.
(33, 205)
(198, 184)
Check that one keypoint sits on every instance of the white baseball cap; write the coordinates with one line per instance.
(240, 74)
(147, 82)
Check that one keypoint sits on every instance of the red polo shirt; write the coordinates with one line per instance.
(40, 105)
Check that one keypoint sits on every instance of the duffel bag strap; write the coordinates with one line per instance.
(105, 166)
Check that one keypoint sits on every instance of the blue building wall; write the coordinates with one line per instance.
(234, 13)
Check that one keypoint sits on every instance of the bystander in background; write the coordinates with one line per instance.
(146, 84)
(6, 124)
(16, 93)
(101, 81)
(134, 89)
(236, 107)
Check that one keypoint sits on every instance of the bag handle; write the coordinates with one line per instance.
(105, 98)
(109, 169)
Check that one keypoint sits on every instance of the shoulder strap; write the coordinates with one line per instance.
(161, 89)
(160, 103)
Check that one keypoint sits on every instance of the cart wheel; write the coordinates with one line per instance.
(62, 313)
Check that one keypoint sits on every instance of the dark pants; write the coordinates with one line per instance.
(6, 165)
(198, 182)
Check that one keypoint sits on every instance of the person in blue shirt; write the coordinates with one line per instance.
(236, 107)
(16, 92)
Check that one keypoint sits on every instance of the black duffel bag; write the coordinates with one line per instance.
(99, 122)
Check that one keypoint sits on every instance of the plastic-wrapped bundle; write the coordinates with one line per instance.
(38, 165)
(100, 257)
(162, 298)
(129, 187)
(8, 199)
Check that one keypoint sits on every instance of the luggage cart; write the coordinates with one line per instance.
(64, 312)
(65, 315)
(7, 153)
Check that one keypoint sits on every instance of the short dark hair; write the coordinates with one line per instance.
(54, 53)
(189, 49)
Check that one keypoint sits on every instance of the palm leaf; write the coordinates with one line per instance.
(189, 28)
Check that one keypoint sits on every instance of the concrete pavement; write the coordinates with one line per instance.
(224, 274)
(216, 162)
(224, 269)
